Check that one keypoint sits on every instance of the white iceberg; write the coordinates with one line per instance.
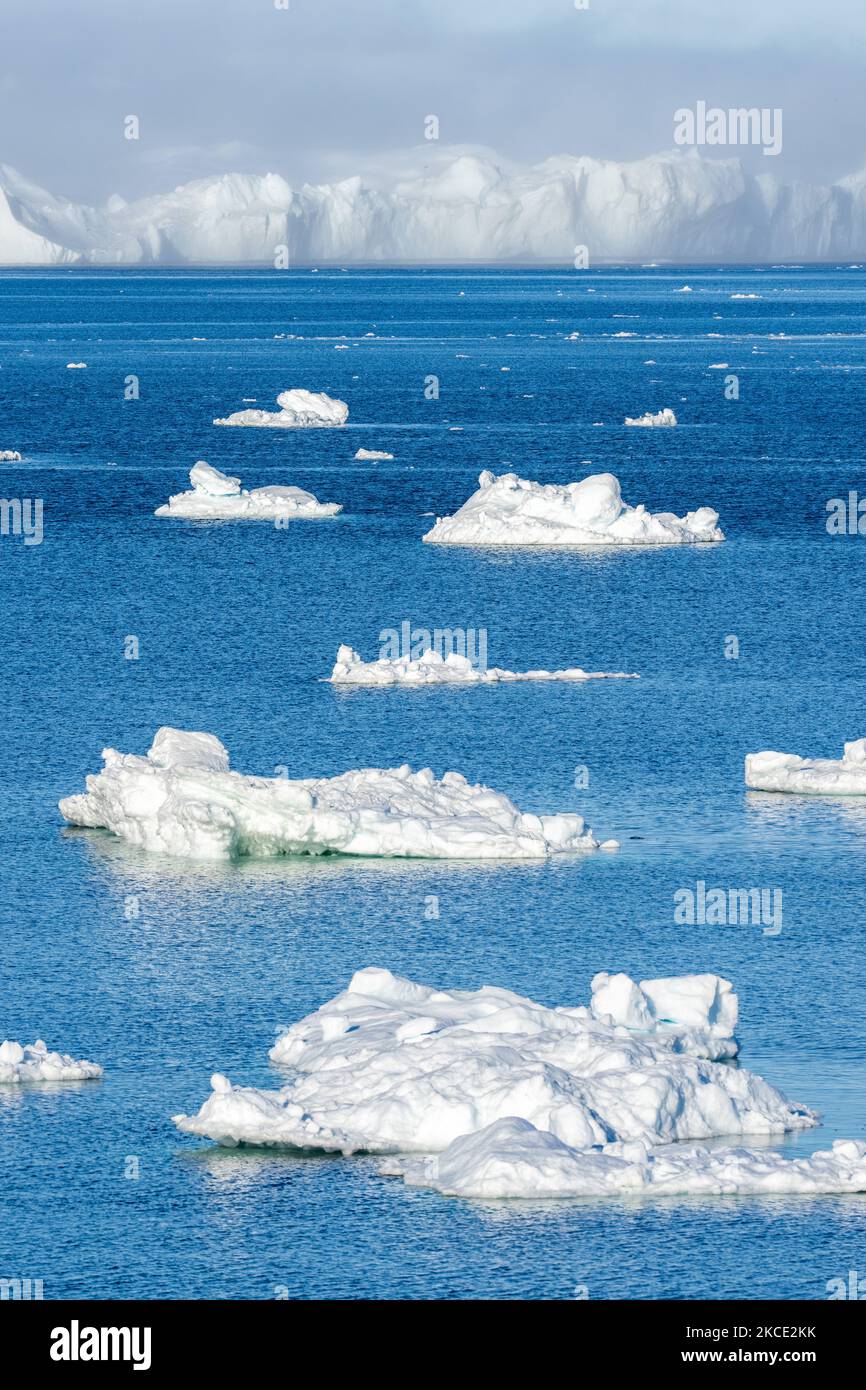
(451, 204)
(298, 410)
(394, 1067)
(217, 497)
(371, 455)
(664, 419)
(75, 366)
(511, 1158)
(9, 456)
(433, 669)
(182, 799)
(786, 772)
(508, 510)
(25, 1062)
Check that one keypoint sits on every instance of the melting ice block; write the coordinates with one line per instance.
(431, 668)
(217, 497)
(372, 455)
(490, 1094)
(9, 456)
(25, 1062)
(786, 772)
(664, 419)
(298, 409)
(507, 510)
(182, 799)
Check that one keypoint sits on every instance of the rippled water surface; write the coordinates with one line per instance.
(237, 624)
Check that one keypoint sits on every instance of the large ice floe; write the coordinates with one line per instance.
(487, 1094)
(24, 1062)
(298, 409)
(182, 799)
(663, 419)
(217, 497)
(786, 772)
(9, 456)
(507, 510)
(431, 668)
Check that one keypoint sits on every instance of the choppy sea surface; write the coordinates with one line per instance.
(165, 971)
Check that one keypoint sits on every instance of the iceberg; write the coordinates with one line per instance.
(182, 799)
(508, 510)
(371, 455)
(217, 497)
(664, 418)
(487, 1093)
(9, 456)
(433, 669)
(26, 1062)
(786, 772)
(513, 1159)
(452, 205)
(298, 410)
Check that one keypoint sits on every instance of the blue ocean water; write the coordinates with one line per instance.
(237, 624)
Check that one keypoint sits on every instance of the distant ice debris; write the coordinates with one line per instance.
(433, 669)
(217, 497)
(488, 1094)
(181, 799)
(508, 510)
(685, 289)
(717, 366)
(9, 456)
(70, 366)
(29, 1062)
(664, 418)
(298, 409)
(786, 772)
(371, 455)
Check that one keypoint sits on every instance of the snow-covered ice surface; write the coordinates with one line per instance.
(786, 772)
(457, 204)
(511, 1158)
(433, 669)
(507, 510)
(26, 1062)
(299, 409)
(217, 497)
(662, 419)
(372, 455)
(504, 1097)
(182, 799)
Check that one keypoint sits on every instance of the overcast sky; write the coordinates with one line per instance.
(326, 87)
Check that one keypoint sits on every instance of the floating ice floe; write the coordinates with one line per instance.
(181, 799)
(664, 419)
(372, 455)
(431, 668)
(217, 497)
(9, 456)
(20, 1062)
(73, 366)
(512, 1158)
(786, 772)
(298, 409)
(508, 510)
(489, 1094)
